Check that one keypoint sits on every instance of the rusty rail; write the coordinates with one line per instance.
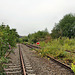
(22, 62)
(33, 46)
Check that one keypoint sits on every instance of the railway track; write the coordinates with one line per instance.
(54, 60)
(18, 65)
(23, 62)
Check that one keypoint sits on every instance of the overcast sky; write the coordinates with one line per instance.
(29, 16)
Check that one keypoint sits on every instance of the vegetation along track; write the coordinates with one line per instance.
(62, 65)
(18, 64)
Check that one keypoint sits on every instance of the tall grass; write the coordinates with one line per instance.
(57, 49)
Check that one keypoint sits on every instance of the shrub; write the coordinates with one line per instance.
(57, 48)
(73, 67)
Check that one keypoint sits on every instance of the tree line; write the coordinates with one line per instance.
(35, 37)
(65, 28)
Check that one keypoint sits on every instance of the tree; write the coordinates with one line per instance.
(7, 36)
(37, 36)
(65, 27)
(25, 39)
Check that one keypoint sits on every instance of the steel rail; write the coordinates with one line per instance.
(22, 62)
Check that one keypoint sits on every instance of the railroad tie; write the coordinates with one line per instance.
(28, 68)
(31, 74)
(12, 69)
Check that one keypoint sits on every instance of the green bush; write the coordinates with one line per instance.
(57, 48)
(73, 67)
(8, 39)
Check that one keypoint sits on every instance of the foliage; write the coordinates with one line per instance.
(38, 36)
(65, 27)
(73, 67)
(57, 49)
(35, 37)
(25, 39)
(20, 40)
(8, 39)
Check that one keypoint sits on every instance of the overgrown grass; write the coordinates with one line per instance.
(57, 48)
(73, 67)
